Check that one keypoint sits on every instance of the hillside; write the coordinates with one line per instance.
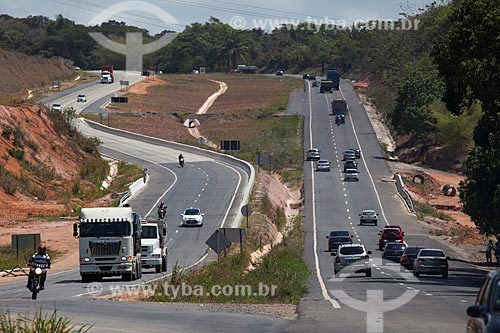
(20, 73)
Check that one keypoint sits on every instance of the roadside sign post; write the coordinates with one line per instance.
(246, 211)
(235, 235)
(218, 243)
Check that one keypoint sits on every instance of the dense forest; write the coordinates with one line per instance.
(437, 85)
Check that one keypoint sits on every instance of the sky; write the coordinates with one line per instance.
(158, 15)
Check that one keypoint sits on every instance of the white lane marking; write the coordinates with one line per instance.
(176, 231)
(196, 200)
(324, 291)
(235, 192)
(463, 301)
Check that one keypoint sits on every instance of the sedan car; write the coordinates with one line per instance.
(368, 216)
(409, 256)
(393, 251)
(352, 258)
(323, 165)
(339, 119)
(357, 152)
(350, 164)
(349, 155)
(432, 262)
(305, 76)
(351, 174)
(192, 217)
(313, 154)
(81, 98)
(338, 237)
(56, 107)
(484, 315)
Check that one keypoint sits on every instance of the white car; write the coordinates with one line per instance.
(323, 165)
(352, 258)
(81, 98)
(351, 174)
(192, 217)
(368, 216)
(56, 107)
(313, 154)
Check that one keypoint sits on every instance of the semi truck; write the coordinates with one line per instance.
(110, 243)
(154, 245)
(107, 74)
(333, 75)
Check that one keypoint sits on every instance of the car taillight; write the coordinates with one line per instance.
(337, 260)
(404, 257)
(420, 260)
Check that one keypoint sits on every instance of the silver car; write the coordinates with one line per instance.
(351, 174)
(323, 165)
(432, 262)
(313, 154)
(56, 107)
(349, 155)
(353, 258)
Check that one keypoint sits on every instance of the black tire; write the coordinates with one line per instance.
(158, 268)
(128, 276)
(164, 264)
(369, 273)
(416, 273)
(375, 223)
(86, 278)
(360, 222)
(445, 275)
(34, 289)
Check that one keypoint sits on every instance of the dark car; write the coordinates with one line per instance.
(409, 256)
(340, 119)
(350, 164)
(279, 73)
(357, 152)
(393, 251)
(338, 237)
(485, 313)
(390, 234)
(305, 76)
(312, 78)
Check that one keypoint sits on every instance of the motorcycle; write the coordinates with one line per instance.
(162, 212)
(38, 270)
(181, 162)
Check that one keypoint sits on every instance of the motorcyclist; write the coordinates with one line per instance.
(40, 257)
(162, 210)
(181, 159)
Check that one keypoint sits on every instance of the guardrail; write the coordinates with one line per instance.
(228, 159)
(134, 188)
(403, 193)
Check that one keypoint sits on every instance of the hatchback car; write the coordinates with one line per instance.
(409, 256)
(350, 164)
(393, 251)
(81, 98)
(313, 154)
(484, 315)
(192, 217)
(352, 258)
(368, 216)
(351, 174)
(338, 237)
(432, 262)
(349, 155)
(56, 107)
(323, 165)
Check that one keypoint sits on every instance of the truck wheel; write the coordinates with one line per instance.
(158, 268)
(164, 264)
(139, 270)
(369, 273)
(128, 276)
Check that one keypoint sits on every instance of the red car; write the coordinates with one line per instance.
(390, 234)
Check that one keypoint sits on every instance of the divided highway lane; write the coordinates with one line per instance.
(336, 206)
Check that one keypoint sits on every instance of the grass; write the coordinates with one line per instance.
(282, 268)
(424, 209)
(39, 323)
(10, 260)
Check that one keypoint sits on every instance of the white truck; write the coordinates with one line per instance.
(154, 245)
(110, 243)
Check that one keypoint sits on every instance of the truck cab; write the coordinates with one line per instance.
(153, 245)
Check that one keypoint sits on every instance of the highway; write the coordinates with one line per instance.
(395, 300)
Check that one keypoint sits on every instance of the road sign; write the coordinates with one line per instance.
(230, 145)
(201, 140)
(119, 99)
(218, 242)
(246, 210)
(235, 235)
(264, 159)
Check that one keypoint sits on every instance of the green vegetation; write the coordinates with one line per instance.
(10, 259)
(283, 267)
(39, 323)
(424, 209)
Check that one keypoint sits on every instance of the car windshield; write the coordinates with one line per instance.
(431, 253)
(104, 229)
(412, 250)
(149, 231)
(350, 250)
(396, 246)
(323, 162)
(339, 234)
(391, 231)
(192, 212)
(351, 171)
(369, 213)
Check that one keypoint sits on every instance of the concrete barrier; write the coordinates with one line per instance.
(234, 219)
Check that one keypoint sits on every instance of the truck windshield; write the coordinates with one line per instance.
(149, 232)
(104, 229)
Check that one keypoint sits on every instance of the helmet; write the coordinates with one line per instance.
(42, 248)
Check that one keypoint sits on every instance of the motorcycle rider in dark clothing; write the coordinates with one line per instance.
(40, 257)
